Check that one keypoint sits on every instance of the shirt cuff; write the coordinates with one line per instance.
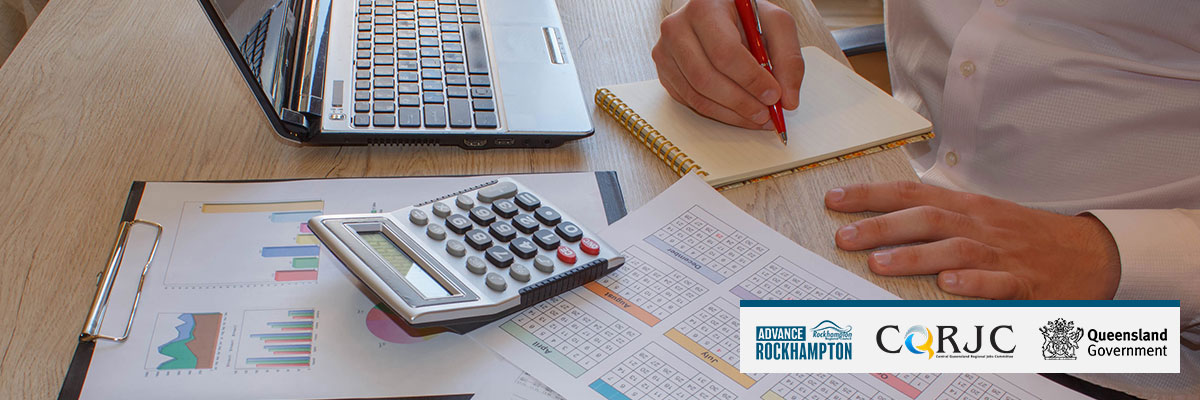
(1160, 256)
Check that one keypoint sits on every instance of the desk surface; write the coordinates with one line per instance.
(102, 93)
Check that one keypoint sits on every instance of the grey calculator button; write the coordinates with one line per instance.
(436, 232)
(548, 216)
(546, 239)
(528, 201)
(496, 282)
(483, 215)
(543, 263)
(464, 202)
(522, 247)
(526, 223)
(505, 208)
(502, 190)
(519, 272)
(479, 239)
(476, 265)
(441, 209)
(418, 217)
(569, 232)
(456, 248)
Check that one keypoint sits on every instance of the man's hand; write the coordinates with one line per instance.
(703, 62)
(977, 245)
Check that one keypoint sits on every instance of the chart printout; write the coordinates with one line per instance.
(242, 301)
(691, 255)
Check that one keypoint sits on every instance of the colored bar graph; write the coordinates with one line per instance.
(304, 314)
(291, 276)
(289, 348)
(306, 238)
(280, 361)
(277, 338)
(544, 349)
(606, 390)
(286, 325)
(716, 362)
(291, 251)
(304, 263)
(622, 303)
(293, 216)
(221, 208)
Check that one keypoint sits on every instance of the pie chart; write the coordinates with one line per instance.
(389, 327)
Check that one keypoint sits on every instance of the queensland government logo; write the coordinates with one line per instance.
(1061, 339)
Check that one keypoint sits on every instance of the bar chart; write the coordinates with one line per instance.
(277, 338)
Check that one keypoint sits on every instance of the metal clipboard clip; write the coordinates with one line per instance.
(91, 328)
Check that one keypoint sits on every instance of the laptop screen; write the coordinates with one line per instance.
(258, 30)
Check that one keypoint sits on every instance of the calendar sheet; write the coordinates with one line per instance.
(665, 325)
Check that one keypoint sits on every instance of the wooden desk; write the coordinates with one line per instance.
(102, 93)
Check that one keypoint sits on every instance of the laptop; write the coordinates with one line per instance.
(471, 73)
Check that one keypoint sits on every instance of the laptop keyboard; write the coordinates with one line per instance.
(254, 43)
(421, 64)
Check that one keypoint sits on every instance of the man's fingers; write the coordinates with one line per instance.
(892, 196)
(917, 224)
(723, 43)
(679, 89)
(783, 44)
(692, 61)
(932, 258)
(999, 285)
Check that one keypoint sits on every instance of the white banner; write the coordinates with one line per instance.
(1035, 336)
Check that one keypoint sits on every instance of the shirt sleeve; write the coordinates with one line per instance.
(1160, 259)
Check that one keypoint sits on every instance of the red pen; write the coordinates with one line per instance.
(748, 12)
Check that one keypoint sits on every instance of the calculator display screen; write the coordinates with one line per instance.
(404, 265)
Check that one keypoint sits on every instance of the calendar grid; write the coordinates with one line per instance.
(645, 291)
(782, 280)
(704, 243)
(573, 339)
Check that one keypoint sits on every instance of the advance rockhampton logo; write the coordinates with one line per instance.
(977, 336)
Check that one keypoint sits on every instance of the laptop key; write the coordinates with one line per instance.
(384, 11)
(480, 81)
(385, 94)
(362, 64)
(362, 120)
(364, 18)
(453, 57)
(407, 65)
(484, 105)
(407, 76)
(449, 27)
(451, 37)
(470, 19)
(427, 13)
(468, 2)
(476, 49)
(406, 34)
(447, 9)
(362, 74)
(364, 45)
(364, 2)
(427, 32)
(455, 68)
(448, 18)
(362, 95)
(460, 113)
(385, 120)
(430, 52)
(382, 71)
(486, 119)
(364, 36)
(431, 63)
(409, 116)
(431, 74)
(431, 85)
(408, 88)
(427, 22)
(406, 54)
(385, 107)
(406, 25)
(455, 47)
(384, 3)
(362, 106)
(385, 60)
(469, 10)
(384, 21)
(406, 44)
(426, 4)
(384, 82)
(456, 91)
(365, 10)
(384, 29)
(457, 80)
(364, 27)
(362, 54)
(409, 100)
(481, 92)
(429, 42)
(384, 50)
(406, 6)
(405, 15)
(362, 85)
(435, 115)
(433, 98)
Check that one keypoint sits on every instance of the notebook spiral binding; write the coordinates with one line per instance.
(640, 129)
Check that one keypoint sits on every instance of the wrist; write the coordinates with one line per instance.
(1104, 259)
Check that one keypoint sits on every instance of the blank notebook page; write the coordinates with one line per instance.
(839, 113)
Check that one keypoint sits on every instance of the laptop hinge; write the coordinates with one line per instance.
(308, 79)
(295, 123)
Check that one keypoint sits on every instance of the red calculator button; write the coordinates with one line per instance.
(565, 254)
(589, 246)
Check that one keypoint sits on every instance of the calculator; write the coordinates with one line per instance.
(468, 258)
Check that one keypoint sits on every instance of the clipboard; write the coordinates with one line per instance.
(607, 181)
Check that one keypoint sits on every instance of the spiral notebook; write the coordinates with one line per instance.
(841, 116)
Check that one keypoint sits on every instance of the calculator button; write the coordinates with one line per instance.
(464, 202)
(522, 247)
(418, 217)
(505, 208)
(456, 248)
(519, 272)
(476, 265)
(499, 256)
(496, 282)
(502, 231)
(441, 209)
(483, 215)
(544, 264)
(548, 216)
(589, 246)
(478, 239)
(569, 231)
(546, 239)
(526, 223)
(528, 201)
(436, 232)
(565, 254)
(502, 190)
(458, 223)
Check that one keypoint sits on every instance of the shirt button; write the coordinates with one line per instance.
(1001, 3)
(966, 68)
(951, 158)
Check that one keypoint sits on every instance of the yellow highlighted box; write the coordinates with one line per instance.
(306, 238)
(221, 208)
(710, 358)
(622, 303)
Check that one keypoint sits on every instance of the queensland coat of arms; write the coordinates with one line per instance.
(1061, 339)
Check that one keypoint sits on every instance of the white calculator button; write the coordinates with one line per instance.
(464, 202)
(418, 217)
(476, 265)
(436, 232)
(519, 272)
(441, 209)
(456, 248)
(498, 191)
(543, 263)
(496, 282)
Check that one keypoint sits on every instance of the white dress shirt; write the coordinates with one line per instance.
(1071, 106)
